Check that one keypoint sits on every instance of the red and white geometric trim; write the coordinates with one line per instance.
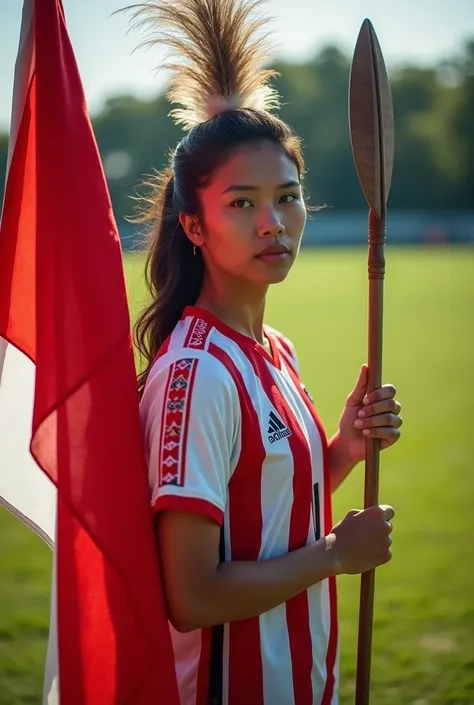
(177, 402)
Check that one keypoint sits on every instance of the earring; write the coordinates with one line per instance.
(194, 250)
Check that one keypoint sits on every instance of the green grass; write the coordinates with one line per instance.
(423, 651)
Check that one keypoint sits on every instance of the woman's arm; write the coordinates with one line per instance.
(200, 591)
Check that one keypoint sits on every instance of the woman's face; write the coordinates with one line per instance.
(253, 215)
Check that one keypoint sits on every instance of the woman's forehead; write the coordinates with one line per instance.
(259, 164)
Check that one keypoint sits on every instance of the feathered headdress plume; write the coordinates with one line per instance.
(216, 51)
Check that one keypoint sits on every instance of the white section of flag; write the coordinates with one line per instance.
(51, 674)
(25, 490)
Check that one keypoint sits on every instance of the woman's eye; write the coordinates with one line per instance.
(240, 201)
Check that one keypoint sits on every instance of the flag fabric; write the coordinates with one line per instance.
(72, 462)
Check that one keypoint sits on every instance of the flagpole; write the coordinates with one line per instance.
(372, 140)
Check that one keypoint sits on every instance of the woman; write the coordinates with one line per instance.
(240, 469)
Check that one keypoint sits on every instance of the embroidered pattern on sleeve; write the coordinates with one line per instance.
(177, 402)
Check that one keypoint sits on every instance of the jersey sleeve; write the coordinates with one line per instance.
(191, 418)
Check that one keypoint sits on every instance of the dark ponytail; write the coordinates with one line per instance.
(173, 273)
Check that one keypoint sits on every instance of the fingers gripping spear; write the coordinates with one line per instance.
(372, 139)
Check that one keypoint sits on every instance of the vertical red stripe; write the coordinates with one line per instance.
(189, 394)
(175, 408)
(285, 345)
(275, 350)
(289, 362)
(297, 609)
(288, 354)
(333, 627)
(245, 503)
(332, 645)
(202, 689)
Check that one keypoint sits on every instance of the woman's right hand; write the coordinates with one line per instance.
(361, 541)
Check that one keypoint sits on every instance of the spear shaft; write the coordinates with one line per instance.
(376, 274)
(372, 141)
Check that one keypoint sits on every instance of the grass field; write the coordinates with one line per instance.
(423, 652)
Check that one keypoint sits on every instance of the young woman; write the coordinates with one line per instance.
(240, 469)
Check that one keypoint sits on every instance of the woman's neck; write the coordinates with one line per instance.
(240, 307)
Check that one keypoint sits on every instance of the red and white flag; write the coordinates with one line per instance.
(71, 457)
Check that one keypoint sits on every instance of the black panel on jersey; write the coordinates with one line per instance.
(217, 648)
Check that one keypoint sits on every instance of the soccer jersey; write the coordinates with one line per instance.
(231, 432)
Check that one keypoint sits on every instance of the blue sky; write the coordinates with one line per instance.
(422, 30)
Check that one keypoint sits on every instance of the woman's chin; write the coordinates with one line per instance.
(273, 272)
(279, 277)
(274, 277)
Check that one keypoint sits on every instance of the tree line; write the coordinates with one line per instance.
(434, 135)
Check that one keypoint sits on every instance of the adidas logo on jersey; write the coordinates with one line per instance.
(276, 429)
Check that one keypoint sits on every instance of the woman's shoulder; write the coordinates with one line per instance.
(184, 369)
(189, 386)
(185, 358)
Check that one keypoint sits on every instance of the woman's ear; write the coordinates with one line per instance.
(192, 228)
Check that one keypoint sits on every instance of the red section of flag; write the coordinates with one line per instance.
(63, 303)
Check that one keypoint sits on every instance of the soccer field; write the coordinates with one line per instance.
(423, 651)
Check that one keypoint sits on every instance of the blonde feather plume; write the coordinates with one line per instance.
(216, 51)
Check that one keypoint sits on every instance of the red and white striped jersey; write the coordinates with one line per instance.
(230, 432)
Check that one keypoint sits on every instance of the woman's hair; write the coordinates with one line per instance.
(225, 101)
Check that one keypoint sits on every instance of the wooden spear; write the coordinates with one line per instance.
(372, 139)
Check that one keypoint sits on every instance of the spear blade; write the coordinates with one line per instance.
(372, 140)
(371, 119)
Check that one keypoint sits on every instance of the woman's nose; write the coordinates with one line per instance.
(270, 225)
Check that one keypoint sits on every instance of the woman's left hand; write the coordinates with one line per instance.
(376, 415)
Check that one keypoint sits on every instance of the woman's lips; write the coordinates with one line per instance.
(273, 256)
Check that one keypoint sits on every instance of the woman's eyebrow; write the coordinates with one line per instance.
(249, 187)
